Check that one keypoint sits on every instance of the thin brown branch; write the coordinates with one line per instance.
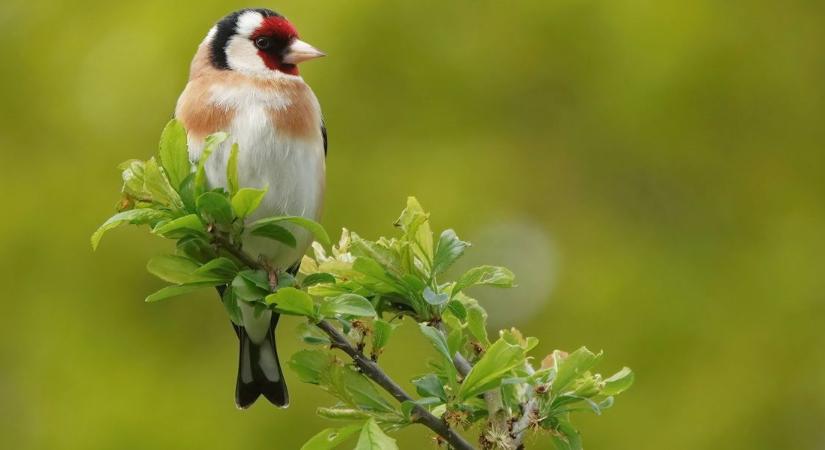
(223, 242)
(375, 373)
(367, 366)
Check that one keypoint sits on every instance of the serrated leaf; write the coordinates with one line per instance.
(180, 227)
(372, 437)
(448, 249)
(312, 226)
(275, 232)
(347, 305)
(573, 366)
(174, 154)
(292, 301)
(232, 170)
(618, 382)
(246, 201)
(415, 224)
(156, 183)
(495, 364)
(132, 216)
(330, 438)
(484, 275)
(214, 207)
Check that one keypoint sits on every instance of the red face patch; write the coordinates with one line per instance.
(281, 32)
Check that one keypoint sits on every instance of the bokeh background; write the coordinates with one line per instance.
(652, 171)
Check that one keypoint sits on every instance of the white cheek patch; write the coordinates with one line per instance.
(248, 22)
(241, 55)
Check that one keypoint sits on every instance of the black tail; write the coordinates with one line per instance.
(259, 371)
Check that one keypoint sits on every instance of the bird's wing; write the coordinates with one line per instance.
(324, 134)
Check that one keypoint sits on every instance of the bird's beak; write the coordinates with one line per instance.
(299, 51)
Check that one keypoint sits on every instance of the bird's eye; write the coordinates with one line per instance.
(263, 43)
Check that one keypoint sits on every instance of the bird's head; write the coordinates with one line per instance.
(258, 42)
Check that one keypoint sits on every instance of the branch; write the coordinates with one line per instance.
(223, 242)
(375, 373)
(367, 366)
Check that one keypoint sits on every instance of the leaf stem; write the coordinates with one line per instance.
(375, 373)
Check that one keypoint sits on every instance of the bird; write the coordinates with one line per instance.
(244, 81)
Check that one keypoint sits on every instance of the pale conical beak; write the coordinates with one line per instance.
(299, 51)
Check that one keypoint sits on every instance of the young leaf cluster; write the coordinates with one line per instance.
(352, 297)
(404, 277)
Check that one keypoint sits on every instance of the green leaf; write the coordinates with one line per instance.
(458, 310)
(230, 303)
(232, 170)
(495, 364)
(132, 216)
(292, 301)
(567, 438)
(310, 365)
(222, 269)
(430, 386)
(415, 224)
(180, 227)
(215, 208)
(275, 232)
(572, 367)
(174, 291)
(247, 288)
(447, 251)
(312, 226)
(477, 324)
(132, 173)
(174, 154)
(433, 298)
(211, 141)
(438, 341)
(174, 269)
(330, 438)
(618, 382)
(197, 248)
(484, 275)
(312, 335)
(317, 278)
(347, 305)
(156, 183)
(246, 201)
(372, 437)
(357, 390)
(342, 414)
(381, 332)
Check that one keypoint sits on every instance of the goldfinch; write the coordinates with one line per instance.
(244, 81)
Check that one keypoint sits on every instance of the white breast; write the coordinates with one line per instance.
(292, 168)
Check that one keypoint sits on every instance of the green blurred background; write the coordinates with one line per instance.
(652, 171)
